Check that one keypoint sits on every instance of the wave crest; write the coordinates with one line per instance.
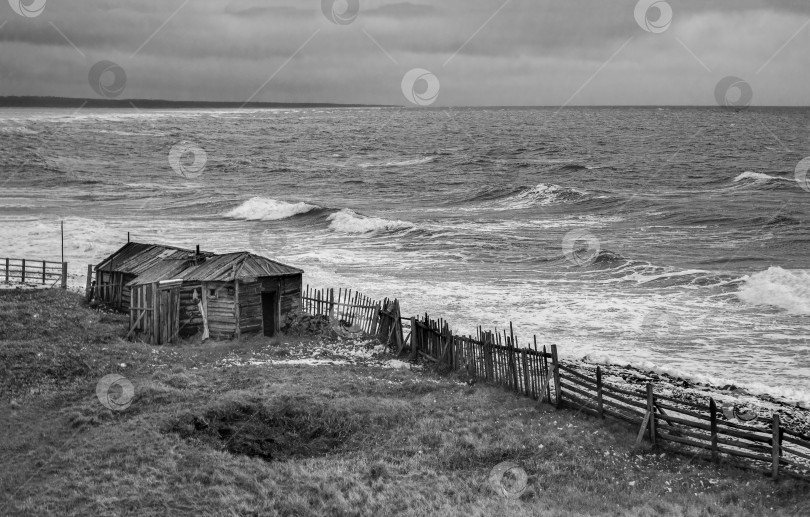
(787, 289)
(399, 163)
(349, 221)
(266, 209)
(539, 195)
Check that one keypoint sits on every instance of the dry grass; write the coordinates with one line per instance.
(329, 440)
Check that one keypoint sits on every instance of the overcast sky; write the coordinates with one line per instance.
(518, 52)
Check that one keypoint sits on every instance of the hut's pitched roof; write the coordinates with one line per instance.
(230, 266)
(134, 257)
(167, 269)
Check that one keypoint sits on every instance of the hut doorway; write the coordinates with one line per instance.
(269, 311)
(169, 310)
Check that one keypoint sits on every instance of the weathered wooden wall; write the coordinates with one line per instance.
(111, 289)
(221, 315)
(191, 321)
(250, 307)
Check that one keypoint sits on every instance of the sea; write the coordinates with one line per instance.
(674, 240)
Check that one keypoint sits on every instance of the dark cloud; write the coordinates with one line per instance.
(531, 52)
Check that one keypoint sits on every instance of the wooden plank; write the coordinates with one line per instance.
(776, 447)
(682, 410)
(629, 393)
(788, 450)
(623, 400)
(556, 364)
(574, 380)
(651, 410)
(713, 430)
(599, 396)
(644, 425)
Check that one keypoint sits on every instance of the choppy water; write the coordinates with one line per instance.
(698, 258)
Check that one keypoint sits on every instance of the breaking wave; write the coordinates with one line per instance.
(526, 197)
(266, 209)
(400, 163)
(767, 181)
(349, 221)
(787, 289)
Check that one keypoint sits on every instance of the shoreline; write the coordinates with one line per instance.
(793, 417)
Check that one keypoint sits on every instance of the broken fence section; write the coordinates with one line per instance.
(535, 371)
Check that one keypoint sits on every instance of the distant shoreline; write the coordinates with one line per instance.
(77, 103)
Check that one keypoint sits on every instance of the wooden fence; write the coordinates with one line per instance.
(351, 310)
(533, 371)
(33, 272)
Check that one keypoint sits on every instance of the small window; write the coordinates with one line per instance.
(212, 293)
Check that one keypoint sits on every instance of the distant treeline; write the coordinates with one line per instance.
(66, 102)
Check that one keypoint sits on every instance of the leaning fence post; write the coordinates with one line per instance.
(599, 392)
(414, 339)
(557, 387)
(525, 363)
(777, 445)
(651, 410)
(713, 423)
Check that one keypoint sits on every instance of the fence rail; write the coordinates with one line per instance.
(33, 272)
(537, 372)
(352, 310)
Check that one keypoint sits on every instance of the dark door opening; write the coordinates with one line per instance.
(269, 313)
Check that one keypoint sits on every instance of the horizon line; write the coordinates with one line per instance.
(35, 101)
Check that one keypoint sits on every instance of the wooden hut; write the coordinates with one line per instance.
(224, 297)
(115, 272)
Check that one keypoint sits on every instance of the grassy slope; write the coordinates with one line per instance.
(348, 440)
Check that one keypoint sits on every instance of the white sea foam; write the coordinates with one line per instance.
(541, 194)
(266, 209)
(398, 163)
(349, 221)
(758, 176)
(788, 289)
